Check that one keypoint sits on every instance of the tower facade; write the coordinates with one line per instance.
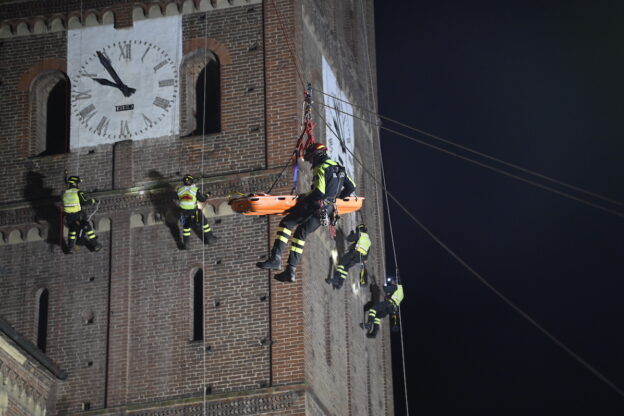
(131, 96)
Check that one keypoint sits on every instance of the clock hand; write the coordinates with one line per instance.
(127, 91)
(104, 81)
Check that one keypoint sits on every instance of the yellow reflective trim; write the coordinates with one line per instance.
(296, 249)
(206, 227)
(186, 234)
(372, 312)
(300, 243)
(284, 230)
(282, 238)
(378, 321)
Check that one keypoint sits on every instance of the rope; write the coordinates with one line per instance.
(203, 216)
(392, 239)
(483, 165)
(481, 279)
(484, 155)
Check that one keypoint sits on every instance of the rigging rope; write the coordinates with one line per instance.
(203, 217)
(476, 152)
(481, 279)
(383, 183)
(483, 165)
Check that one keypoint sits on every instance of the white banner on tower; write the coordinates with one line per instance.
(339, 131)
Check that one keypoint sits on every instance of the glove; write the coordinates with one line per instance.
(94, 201)
(337, 281)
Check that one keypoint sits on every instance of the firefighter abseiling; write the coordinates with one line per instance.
(312, 210)
(75, 218)
(191, 215)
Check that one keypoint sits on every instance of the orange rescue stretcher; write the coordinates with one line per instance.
(264, 204)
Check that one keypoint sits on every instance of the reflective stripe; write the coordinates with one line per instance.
(187, 196)
(296, 249)
(282, 238)
(377, 321)
(363, 244)
(206, 227)
(284, 230)
(372, 312)
(300, 243)
(186, 233)
(71, 201)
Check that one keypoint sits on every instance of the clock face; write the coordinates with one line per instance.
(124, 90)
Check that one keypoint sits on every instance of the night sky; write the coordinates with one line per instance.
(540, 85)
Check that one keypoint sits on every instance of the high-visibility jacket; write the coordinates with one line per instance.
(363, 243)
(189, 195)
(330, 181)
(73, 200)
(397, 295)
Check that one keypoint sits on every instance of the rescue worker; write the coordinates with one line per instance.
(390, 305)
(357, 253)
(75, 219)
(188, 195)
(330, 181)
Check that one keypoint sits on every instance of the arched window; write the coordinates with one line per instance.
(201, 93)
(51, 111)
(57, 119)
(42, 320)
(207, 100)
(198, 305)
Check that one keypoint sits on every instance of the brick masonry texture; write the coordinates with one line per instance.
(120, 320)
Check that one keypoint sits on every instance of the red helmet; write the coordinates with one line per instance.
(313, 150)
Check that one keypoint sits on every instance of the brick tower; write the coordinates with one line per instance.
(142, 327)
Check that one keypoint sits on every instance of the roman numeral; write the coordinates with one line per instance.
(102, 126)
(148, 122)
(124, 51)
(161, 102)
(145, 53)
(123, 128)
(82, 95)
(165, 83)
(160, 65)
(87, 112)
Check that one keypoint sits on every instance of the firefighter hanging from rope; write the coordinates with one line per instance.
(313, 209)
(357, 253)
(77, 222)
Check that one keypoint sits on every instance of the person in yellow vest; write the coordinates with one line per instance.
(75, 219)
(390, 305)
(357, 253)
(188, 195)
(330, 181)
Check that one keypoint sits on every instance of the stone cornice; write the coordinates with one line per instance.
(75, 19)
(145, 198)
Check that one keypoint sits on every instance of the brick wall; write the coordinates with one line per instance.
(120, 319)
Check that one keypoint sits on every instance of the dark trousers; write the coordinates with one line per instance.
(376, 313)
(306, 219)
(190, 217)
(77, 221)
(348, 260)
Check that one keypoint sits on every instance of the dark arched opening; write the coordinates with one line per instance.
(57, 119)
(198, 305)
(208, 100)
(42, 320)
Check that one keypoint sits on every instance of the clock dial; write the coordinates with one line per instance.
(124, 89)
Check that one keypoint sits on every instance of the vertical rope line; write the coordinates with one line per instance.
(202, 215)
(383, 178)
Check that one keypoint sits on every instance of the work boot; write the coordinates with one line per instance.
(288, 275)
(69, 248)
(97, 246)
(210, 238)
(274, 262)
(185, 242)
(93, 245)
